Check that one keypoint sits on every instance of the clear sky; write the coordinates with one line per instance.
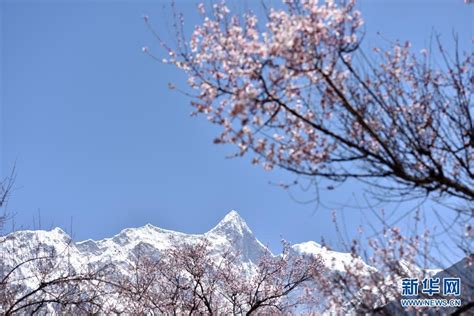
(101, 144)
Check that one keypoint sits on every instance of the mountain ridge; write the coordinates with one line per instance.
(120, 250)
(231, 231)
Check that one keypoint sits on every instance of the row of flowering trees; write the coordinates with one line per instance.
(190, 279)
(185, 279)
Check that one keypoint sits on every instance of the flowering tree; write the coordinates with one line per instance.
(299, 92)
(35, 278)
(191, 279)
(395, 256)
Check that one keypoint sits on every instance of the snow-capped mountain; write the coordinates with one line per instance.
(333, 260)
(120, 251)
(231, 232)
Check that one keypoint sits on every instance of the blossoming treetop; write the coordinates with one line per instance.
(299, 92)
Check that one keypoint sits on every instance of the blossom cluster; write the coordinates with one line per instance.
(299, 92)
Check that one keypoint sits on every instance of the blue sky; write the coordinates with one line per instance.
(101, 144)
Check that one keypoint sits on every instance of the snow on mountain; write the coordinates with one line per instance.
(231, 232)
(333, 260)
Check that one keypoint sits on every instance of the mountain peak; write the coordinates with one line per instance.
(233, 231)
(232, 223)
(232, 216)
